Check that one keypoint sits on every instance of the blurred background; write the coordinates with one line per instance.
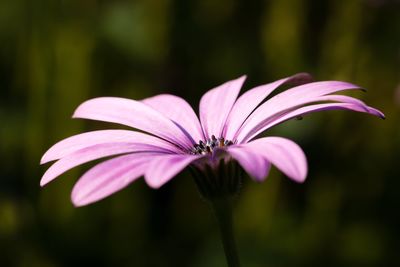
(56, 54)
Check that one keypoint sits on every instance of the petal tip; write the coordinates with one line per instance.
(76, 112)
(43, 160)
(301, 78)
(47, 156)
(376, 112)
(77, 203)
(302, 179)
(152, 184)
(241, 79)
(84, 105)
(77, 199)
(299, 179)
(75, 115)
(259, 180)
(43, 182)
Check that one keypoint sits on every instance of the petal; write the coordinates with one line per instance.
(286, 155)
(165, 167)
(134, 114)
(247, 102)
(348, 103)
(77, 142)
(92, 153)
(295, 97)
(216, 104)
(252, 162)
(109, 177)
(322, 107)
(179, 111)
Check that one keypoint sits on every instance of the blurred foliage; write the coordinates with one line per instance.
(56, 54)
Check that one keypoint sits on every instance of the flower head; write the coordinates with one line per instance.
(172, 137)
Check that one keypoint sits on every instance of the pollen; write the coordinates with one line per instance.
(203, 148)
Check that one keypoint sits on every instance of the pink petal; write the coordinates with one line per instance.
(109, 177)
(321, 107)
(77, 142)
(253, 163)
(92, 153)
(247, 102)
(349, 103)
(297, 96)
(165, 167)
(134, 114)
(284, 154)
(179, 111)
(216, 104)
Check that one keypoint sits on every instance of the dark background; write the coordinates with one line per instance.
(56, 54)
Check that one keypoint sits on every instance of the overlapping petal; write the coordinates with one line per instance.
(216, 104)
(164, 168)
(92, 153)
(134, 114)
(345, 103)
(292, 98)
(321, 107)
(109, 177)
(252, 162)
(247, 102)
(179, 111)
(80, 141)
(285, 154)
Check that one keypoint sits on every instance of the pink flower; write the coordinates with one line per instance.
(175, 138)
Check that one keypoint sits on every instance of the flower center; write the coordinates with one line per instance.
(210, 144)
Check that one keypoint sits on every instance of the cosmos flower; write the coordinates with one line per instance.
(172, 137)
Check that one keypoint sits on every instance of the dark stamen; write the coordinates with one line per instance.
(221, 142)
(208, 146)
(201, 144)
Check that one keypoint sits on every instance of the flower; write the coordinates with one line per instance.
(172, 137)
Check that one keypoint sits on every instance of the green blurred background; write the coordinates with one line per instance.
(56, 54)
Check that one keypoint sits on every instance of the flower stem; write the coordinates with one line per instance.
(223, 212)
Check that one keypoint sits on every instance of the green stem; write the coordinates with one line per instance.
(223, 212)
